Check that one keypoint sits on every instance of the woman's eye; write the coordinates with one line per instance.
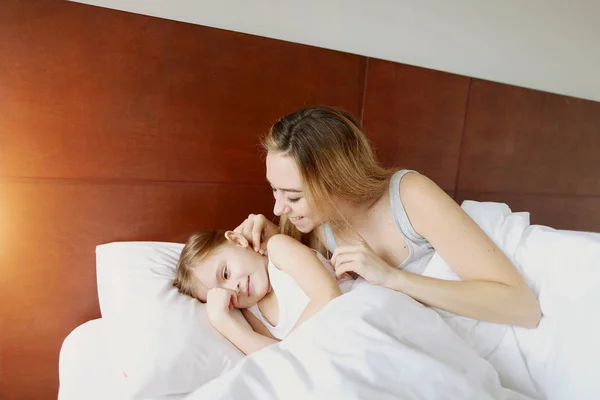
(294, 200)
(225, 273)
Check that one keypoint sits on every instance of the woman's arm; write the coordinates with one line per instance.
(491, 288)
(257, 230)
(306, 269)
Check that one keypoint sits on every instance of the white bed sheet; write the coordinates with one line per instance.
(371, 343)
(85, 367)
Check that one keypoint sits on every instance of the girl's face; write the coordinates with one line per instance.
(235, 266)
(290, 199)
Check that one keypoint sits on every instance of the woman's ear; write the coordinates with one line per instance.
(236, 238)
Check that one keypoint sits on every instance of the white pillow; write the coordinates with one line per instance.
(160, 341)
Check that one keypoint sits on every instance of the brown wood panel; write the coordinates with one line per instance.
(130, 96)
(49, 233)
(415, 118)
(129, 112)
(525, 141)
(560, 212)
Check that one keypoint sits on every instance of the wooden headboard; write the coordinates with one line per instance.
(115, 126)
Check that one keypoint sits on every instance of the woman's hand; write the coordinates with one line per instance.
(257, 230)
(362, 260)
(219, 303)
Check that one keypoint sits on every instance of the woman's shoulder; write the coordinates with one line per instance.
(424, 202)
(415, 186)
(408, 186)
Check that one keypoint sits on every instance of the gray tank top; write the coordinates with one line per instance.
(420, 250)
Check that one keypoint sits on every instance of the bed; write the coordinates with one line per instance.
(368, 351)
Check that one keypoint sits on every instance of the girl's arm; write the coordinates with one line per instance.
(256, 325)
(306, 269)
(241, 335)
(244, 338)
(491, 288)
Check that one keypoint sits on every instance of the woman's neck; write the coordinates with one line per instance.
(357, 215)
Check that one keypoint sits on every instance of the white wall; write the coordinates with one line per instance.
(551, 45)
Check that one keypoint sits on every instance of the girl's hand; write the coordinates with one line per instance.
(361, 260)
(257, 230)
(219, 303)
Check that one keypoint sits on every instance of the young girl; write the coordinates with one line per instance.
(275, 293)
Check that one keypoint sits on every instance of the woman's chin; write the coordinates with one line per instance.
(304, 227)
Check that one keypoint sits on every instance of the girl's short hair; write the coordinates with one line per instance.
(196, 249)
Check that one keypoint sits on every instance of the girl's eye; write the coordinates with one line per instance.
(294, 200)
(225, 273)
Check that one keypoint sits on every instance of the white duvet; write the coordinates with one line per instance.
(374, 343)
(371, 343)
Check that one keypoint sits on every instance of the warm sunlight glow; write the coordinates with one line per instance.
(3, 227)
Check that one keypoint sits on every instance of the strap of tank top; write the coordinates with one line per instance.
(400, 216)
(254, 310)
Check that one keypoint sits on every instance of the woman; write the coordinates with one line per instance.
(333, 195)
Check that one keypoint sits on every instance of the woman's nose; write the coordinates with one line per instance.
(280, 207)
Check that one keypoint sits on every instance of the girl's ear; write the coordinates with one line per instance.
(236, 238)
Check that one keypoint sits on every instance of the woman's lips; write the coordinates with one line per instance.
(295, 220)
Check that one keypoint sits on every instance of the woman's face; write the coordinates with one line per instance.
(288, 190)
(235, 266)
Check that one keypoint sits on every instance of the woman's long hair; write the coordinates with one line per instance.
(335, 160)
